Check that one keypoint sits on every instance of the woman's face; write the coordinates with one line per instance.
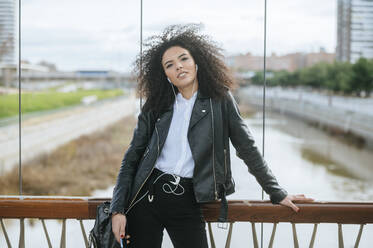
(179, 67)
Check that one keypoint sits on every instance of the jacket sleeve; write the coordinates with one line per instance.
(130, 161)
(247, 150)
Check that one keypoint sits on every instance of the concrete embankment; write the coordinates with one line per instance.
(46, 132)
(340, 118)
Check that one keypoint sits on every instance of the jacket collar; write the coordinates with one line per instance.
(201, 108)
(200, 96)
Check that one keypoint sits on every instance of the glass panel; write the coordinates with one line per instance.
(9, 97)
(318, 115)
(77, 96)
(314, 115)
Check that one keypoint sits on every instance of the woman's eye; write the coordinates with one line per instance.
(169, 65)
(185, 58)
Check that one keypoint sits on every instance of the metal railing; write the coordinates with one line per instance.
(84, 208)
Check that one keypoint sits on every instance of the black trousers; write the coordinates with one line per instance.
(177, 212)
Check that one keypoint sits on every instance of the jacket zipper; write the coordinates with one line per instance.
(225, 164)
(213, 149)
(131, 206)
(146, 153)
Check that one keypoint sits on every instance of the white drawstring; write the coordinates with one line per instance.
(172, 86)
(168, 191)
(177, 185)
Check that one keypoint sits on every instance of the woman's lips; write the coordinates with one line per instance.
(181, 74)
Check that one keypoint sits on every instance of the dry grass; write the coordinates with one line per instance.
(77, 168)
(246, 111)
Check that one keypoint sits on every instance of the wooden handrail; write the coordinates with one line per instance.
(239, 210)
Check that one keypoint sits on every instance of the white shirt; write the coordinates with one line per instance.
(176, 157)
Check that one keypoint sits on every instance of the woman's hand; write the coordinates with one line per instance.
(118, 225)
(288, 201)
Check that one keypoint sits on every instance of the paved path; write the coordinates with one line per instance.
(45, 133)
(362, 106)
(349, 114)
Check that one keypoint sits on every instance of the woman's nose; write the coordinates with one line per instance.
(179, 66)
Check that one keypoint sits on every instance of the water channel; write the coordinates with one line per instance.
(303, 158)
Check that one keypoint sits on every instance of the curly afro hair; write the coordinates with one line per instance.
(214, 77)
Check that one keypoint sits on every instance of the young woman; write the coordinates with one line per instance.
(179, 155)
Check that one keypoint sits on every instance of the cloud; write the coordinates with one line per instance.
(105, 34)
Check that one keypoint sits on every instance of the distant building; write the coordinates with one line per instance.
(354, 30)
(289, 62)
(9, 75)
(51, 67)
(7, 31)
(93, 73)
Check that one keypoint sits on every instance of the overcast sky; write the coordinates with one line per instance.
(96, 34)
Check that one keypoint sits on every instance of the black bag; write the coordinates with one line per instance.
(101, 235)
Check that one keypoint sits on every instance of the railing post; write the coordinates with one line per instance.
(63, 234)
(21, 233)
(5, 234)
(295, 236)
(340, 236)
(313, 235)
(359, 236)
(83, 232)
(212, 241)
(255, 238)
(229, 237)
(272, 235)
(46, 233)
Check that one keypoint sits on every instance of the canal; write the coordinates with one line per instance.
(305, 160)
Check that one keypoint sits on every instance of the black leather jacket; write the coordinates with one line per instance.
(208, 134)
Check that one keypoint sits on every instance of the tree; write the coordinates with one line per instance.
(315, 76)
(258, 78)
(339, 77)
(362, 77)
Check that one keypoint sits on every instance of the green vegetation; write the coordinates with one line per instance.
(32, 102)
(339, 77)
